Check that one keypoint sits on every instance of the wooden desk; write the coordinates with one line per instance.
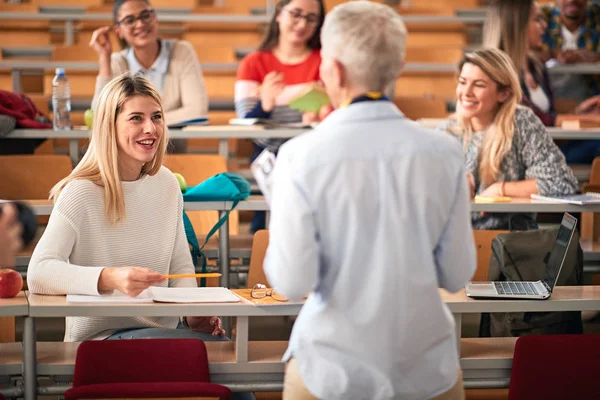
(244, 364)
(11, 354)
(247, 370)
(15, 307)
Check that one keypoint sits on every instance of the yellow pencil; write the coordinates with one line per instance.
(208, 275)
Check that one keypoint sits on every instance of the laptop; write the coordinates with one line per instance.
(531, 290)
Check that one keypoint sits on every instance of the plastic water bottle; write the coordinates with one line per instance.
(61, 100)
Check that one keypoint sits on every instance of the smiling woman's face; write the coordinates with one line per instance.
(140, 127)
(478, 95)
(144, 30)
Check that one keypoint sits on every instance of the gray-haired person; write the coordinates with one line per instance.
(370, 214)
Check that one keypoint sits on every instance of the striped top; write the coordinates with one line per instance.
(79, 242)
(250, 75)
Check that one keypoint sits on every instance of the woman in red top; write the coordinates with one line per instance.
(285, 64)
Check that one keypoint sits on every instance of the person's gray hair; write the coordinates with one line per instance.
(369, 40)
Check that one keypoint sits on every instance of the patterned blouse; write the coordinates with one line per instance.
(589, 37)
(533, 156)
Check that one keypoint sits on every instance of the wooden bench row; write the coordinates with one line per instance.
(220, 84)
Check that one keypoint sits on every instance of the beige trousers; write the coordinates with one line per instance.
(294, 389)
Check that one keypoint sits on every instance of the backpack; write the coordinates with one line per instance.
(221, 187)
(23, 110)
(17, 110)
(522, 256)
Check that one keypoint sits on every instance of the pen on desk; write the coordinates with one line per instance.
(207, 275)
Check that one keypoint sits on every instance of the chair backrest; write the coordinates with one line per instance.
(595, 172)
(30, 177)
(416, 107)
(483, 244)
(590, 222)
(141, 360)
(256, 274)
(555, 367)
(196, 168)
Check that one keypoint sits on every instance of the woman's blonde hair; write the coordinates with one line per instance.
(498, 139)
(100, 164)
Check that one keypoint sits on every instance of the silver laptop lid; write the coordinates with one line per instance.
(559, 251)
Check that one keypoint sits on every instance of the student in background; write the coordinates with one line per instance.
(507, 23)
(371, 252)
(507, 148)
(285, 64)
(171, 65)
(571, 37)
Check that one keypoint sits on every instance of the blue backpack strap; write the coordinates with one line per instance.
(193, 240)
(195, 248)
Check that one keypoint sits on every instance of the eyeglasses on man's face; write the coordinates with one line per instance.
(145, 16)
(260, 291)
(311, 19)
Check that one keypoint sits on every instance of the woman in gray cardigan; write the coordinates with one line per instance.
(508, 151)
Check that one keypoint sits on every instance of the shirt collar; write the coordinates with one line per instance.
(361, 111)
(161, 64)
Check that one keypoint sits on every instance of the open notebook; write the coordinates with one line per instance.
(163, 295)
(579, 199)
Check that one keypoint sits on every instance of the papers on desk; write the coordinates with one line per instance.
(579, 199)
(190, 122)
(116, 297)
(193, 295)
(266, 123)
(163, 295)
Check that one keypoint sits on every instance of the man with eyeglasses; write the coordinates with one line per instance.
(171, 65)
(370, 214)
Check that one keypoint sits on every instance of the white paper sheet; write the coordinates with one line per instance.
(116, 297)
(193, 295)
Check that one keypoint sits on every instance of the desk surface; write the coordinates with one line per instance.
(57, 306)
(17, 306)
(241, 132)
(258, 203)
(564, 298)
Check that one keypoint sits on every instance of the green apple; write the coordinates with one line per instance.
(182, 183)
(88, 118)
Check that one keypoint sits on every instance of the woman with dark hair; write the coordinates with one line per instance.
(285, 64)
(171, 65)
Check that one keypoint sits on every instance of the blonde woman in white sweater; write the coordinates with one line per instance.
(117, 220)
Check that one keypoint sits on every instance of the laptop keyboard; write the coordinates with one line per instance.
(515, 288)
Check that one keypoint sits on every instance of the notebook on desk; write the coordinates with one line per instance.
(163, 295)
(190, 122)
(578, 199)
(531, 290)
(267, 123)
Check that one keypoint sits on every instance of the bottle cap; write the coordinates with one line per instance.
(60, 71)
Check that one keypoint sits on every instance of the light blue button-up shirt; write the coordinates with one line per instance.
(156, 73)
(370, 212)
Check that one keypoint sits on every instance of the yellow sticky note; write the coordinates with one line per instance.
(497, 199)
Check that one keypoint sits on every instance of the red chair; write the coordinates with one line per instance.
(557, 367)
(144, 368)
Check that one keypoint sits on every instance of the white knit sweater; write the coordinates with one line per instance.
(79, 242)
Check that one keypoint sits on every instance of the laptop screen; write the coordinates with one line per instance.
(559, 251)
